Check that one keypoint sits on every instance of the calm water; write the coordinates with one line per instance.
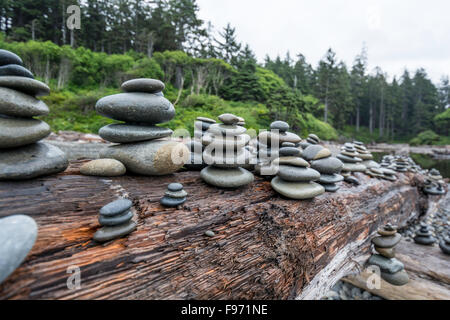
(425, 161)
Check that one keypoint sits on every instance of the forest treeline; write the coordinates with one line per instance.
(122, 39)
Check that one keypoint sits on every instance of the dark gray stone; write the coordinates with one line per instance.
(15, 70)
(115, 220)
(330, 178)
(18, 104)
(328, 165)
(397, 279)
(289, 152)
(297, 174)
(116, 207)
(8, 57)
(26, 85)
(143, 85)
(172, 202)
(386, 265)
(428, 241)
(137, 107)
(31, 161)
(279, 125)
(330, 187)
(387, 242)
(352, 180)
(128, 133)
(17, 132)
(110, 233)
(229, 119)
(348, 159)
(17, 236)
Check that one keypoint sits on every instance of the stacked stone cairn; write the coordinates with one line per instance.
(365, 155)
(175, 196)
(400, 164)
(392, 270)
(18, 234)
(444, 244)
(424, 235)
(434, 184)
(142, 146)
(352, 163)
(312, 139)
(201, 126)
(329, 167)
(22, 156)
(116, 221)
(226, 153)
(295, 179)
(268, 145)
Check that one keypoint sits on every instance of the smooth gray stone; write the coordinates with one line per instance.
(103, 168)
(297, 190)
(278, 138)
(31, 161)
(128, 133)
(110, 233)
(174, 187)
(314, 138)
(316, 152)
(387, 242)
(397, 279)
(297, 174)
(226, 130)
(289, 152)
(203, 126)
(328, 165)
(18, 104)
(288, 145)
(209, 233)
(348, 159)
(445, 247)
(424, 240)
(17, 132)
(304, 144)
(26, 85)
(229, 119)
(17, 236)
(172, 202)
(330, 187)
(353, 167)
(352, 180)
(434, 191)
(226, 178)
(116, 207)
(152, 158)
(386, 265)
(143, 85)
(136, 107)
(8, 57)
(279, 125)
(15, 70)
(311, 141)
(330, 178)
(115, 220)
(177, 194)
(203, 119)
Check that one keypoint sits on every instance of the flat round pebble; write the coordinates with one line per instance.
(279, 125)
(15, 70)
(143, 85)
(174, 187)
(26, 85)
(103, 168)
(8, 57)
(116, 207)
(210, 233)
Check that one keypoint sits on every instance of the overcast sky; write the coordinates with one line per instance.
(398, 34)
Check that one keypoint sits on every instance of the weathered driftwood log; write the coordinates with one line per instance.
(265, 247)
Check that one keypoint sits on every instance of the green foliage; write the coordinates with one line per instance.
(428, 137)
(442, 122)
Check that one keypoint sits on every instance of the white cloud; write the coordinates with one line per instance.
(398, 34)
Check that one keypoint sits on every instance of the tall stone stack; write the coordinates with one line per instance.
(365, 155)
(226, 153)
(22, 156)
(392, 270)
(295, 179)
(328, 166)
(352, 163)
(424, 235)
(116, 221)
(143, 147)
(400, 164)
(434, 184)
(269, 143)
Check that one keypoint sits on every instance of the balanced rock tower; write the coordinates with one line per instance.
(392, 270)
(434, 184)
(424, 236)
(329, 167)
(295, 180)
(116, 221)
(141, 147)
(312, 139)
(226, 153)
(174, 196)
(365, 155)
(352, 163)
(22, 156)
(201, 126)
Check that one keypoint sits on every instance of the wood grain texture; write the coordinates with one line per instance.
(265, 247)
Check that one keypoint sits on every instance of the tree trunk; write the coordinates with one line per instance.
(265, 247)
(381, 115)
(371, 119)
(357, 118)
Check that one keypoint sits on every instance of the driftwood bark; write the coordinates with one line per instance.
(265, 247)
(428, 269)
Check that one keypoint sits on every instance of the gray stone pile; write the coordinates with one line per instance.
(424, 235)
(434, 184)
(116, 221)
(174, 196)
(312, 139)
(22, 155)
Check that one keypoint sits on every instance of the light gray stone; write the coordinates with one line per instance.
(110, 233)
(18, 104)
(128, 133)
(328, 165)
(26, 85)
(226, 178)
(17, 236)
(17, 132)
(297, 174)
(103, 168)
(229, 119)
(297, 190)
(116, 207)
(279, 125)
(143, 85)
